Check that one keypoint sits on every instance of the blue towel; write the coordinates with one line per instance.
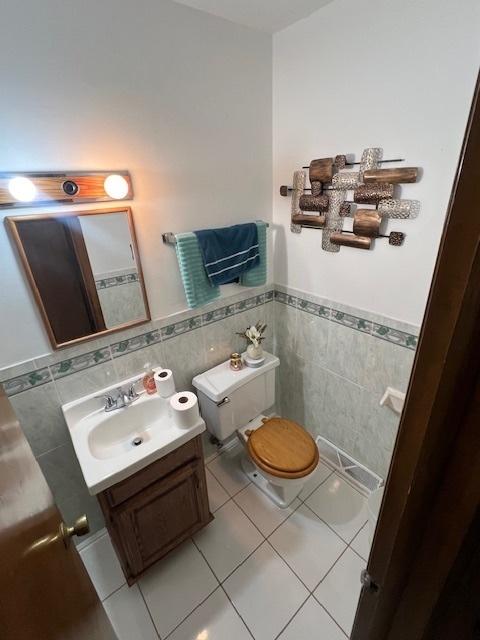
(229, 252)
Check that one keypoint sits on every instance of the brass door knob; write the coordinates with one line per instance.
(79, 528)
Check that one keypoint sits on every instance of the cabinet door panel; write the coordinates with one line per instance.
(158, 519)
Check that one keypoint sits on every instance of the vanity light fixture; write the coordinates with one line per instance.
(37, 189)
(22, 189)
(116, 186)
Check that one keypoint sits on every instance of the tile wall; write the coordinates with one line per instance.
(335, 364)
(188, 343)
(120, 296)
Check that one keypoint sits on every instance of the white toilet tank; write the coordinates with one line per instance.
(229, 399)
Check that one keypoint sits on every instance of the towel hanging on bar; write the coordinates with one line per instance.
(198, 289)
(229, 252)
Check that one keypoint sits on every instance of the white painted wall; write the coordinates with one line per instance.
(108, 241)
(180, 98)
(397, 74)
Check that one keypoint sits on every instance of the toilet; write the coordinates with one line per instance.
(279, 455)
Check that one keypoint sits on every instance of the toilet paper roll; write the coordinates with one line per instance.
(164, 382)
(185, 411)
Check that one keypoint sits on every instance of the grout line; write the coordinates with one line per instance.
(192, 611)
(329, 614)
(342, 477)
(353, 540)
(329, 526)
(289, 567)
(242, 562)
(84, 544)
(223, 588)
(317, 487)
(113, 592)
(237, 611)
(148, 611)
(330, 570)
(290, 620)
(278, 525)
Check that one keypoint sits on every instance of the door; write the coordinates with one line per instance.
(45, 591)
(422, 577)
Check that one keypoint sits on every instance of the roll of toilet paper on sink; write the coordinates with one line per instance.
(164, 382)
(185, 411)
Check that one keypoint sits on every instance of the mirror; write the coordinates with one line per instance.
(84, 270)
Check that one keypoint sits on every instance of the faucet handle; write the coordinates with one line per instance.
(132, 392)
(109, 400)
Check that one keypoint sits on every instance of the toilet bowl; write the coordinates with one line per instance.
(279, 455)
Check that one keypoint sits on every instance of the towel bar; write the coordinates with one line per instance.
(169, 237)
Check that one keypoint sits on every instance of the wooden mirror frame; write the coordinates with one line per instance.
(11, 222)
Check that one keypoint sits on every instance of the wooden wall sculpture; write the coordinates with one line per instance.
(326, 206)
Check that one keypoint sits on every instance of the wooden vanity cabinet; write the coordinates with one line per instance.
(156, 509)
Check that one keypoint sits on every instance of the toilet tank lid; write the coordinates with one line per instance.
(219, 382)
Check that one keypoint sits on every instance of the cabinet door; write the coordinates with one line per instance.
(156, 520)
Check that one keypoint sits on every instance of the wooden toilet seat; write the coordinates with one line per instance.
(283, 448)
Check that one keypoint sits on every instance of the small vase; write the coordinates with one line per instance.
(253, 352)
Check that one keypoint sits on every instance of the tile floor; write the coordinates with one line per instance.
(256, 571)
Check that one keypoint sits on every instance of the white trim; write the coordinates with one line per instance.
(254, 246)
(233, 265)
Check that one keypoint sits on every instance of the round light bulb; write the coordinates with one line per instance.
(116, 186)
(22, 189)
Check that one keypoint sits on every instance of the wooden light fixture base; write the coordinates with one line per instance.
(72, 187)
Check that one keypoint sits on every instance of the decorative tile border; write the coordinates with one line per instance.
(285, 298)
(383, 332)
(30, 380)
(395, 336)
(314, 308)
(116, 281)
(124, 347)
(218, 314)
(352, 322)
(80, 363)
(249, 303)
(179, 328)
(64, 368)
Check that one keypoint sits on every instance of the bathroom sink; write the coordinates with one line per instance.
(111, 446)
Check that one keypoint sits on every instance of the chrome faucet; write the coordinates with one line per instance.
(121, 400)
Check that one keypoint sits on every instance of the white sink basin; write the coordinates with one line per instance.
(112, 446)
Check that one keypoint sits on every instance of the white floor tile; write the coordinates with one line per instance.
(308, 546)
(265, 592)
(361, 542)
(129, 615)
(312, 621)
(321, 474)
(216, 493)
(228, 540)
(215, 619)
(103, 566)
(340, 506)
(340, 590)
(176, 585)
(228, 471)
(262, 510)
